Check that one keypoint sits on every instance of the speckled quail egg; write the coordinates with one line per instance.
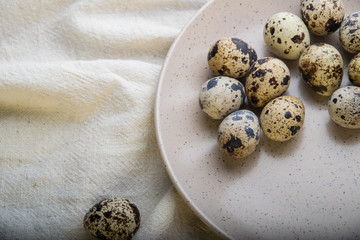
(344, 107)
(322, 17)
(231, 57)
(113, 218)
(286, 35)
(268, 78)
(282, 118)
(349, 33)
(354, 70)
(321, 67)
(239, 134)
(220, 96)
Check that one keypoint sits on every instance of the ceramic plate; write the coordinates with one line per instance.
(308, 187)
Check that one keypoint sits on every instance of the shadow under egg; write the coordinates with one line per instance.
(241, 165)
(206, 123)
(281, 150)
(341, 135)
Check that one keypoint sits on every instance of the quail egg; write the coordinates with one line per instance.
(354, 70)
(268, 78)
(239, 134)
(231, 57)
(344, 107)
(321, 67)
(282, 118)
(220, 96)
(286, 35)
(322, 17)
(113, 218)
(349, 33)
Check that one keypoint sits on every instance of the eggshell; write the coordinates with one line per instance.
(239, 134)
(268, 78)
(321, 67)
(344, 107)
(220, 96)
(282, 118)
(231, 57)
(322, 17)
(113, 218)
(354, 70)
(349, 33)
(286, 35)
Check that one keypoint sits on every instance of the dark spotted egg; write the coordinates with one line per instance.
(231, 57)
(268, 78)
(322, 17)
(220, 96)
(344, 107)
(354, 70)
(282, 118)
(321, 67)
(349, 33)
(286, 35)
(113, 218)
(239, 134)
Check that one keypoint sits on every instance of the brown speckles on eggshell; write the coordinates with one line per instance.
(354, 70)
(349, 33)
(321, 67)
(268, 78)
(345, 110)
(231, 57)
(113, 218)
(332, 25)
(239, 134)
(322, 17)
(290, 43)
(282, 118)
(298, 38)
(220, 96)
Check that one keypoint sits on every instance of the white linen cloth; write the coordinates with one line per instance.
(77, 89)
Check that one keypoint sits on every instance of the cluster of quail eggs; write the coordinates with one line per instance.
(266, 79)
(287, 36)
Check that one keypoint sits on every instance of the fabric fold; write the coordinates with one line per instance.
(78, 80)
(69, 88)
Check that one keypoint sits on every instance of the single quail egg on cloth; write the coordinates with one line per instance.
(321, 67)
(282, 118)
(354, 70)
(113, 218)
(220, 96)
(349, 33)
(344, 107)
(268, 78)
(239, 134)
(322, 17)
(231, 57)
(286, 35)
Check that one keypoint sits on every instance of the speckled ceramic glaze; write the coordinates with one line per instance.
(304, 188)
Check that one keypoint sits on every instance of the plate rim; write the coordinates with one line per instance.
(163, 154)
